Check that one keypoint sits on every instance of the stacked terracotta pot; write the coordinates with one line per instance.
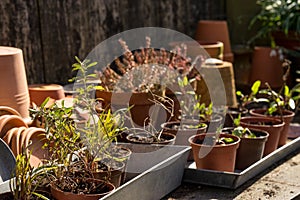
(16, 133)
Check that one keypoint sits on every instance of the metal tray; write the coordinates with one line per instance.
(157, 173)
(237, 178)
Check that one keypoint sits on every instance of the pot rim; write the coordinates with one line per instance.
(267, 119)
(237, 141)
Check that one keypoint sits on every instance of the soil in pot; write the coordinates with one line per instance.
(147, 138)
(213, 123)
(271, 125)
(98, 189)
(250, 149)
(212, 155)
(287, 118)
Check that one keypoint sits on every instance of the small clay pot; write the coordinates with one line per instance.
(214, 157)
(287, 118)
(39, 92)
(271, 125)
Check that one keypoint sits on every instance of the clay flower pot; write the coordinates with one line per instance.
(16, 144)
(8, 122)
(13, 82)
(183, 131)
(266, 67)
(287, 118)
(58, 194)
(233, 113)
(215, 30)
(39, 92)
(214, 157)
(270, 125)
(251, 149)
(140, 102)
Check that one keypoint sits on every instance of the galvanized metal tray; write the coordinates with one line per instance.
(153, 174)
(238, 178)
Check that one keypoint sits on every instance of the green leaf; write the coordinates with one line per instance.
(292, 104)
(239, 93)
(255, 87)
(185, 81)
(45, 102)
(286, 91)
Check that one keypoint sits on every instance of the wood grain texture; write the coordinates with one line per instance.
(52, 32)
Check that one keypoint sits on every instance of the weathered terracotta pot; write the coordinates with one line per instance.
(214, 157)
(287, 118)
(13, 82)
(215, 30)
(39, 92)
(58, 194)
(270, 125)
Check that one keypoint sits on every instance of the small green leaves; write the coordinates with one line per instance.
(255, 87)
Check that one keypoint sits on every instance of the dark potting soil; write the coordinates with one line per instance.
(147, 139)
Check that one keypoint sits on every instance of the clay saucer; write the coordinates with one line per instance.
(8, 122)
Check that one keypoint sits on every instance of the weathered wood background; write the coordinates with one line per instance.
(52, 32)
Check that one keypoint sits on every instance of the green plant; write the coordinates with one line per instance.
(191, 107)
(28, 180)
(276, 15)
(243, 132)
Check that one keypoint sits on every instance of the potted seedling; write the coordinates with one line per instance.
(215, 151)
(251, 146)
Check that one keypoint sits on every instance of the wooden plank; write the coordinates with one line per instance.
(19, 27)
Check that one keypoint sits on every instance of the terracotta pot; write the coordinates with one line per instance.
(39, 92)
(58, 194)
(169, 139)
(215, 49)
(214, 157)
(214, 123)
(139, 101)
(8, 136)
(287, 118)
(13, 82)
(233, 113)
(213, 30)
(271, 125)
(8, 122)
(266, 68)
(183, 134)
(34, 139)
(250, 149)
(113, 175)
(5, 110)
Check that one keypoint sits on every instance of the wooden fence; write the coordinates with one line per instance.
(52, 32)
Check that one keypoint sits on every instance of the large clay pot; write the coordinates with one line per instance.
(13, 82)
(266, 67)
(58, 194)
(287, 118)
(214, 157)
(271, 125)
(251, 149)
(5, 110)
(215, 30)
(39, 92)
